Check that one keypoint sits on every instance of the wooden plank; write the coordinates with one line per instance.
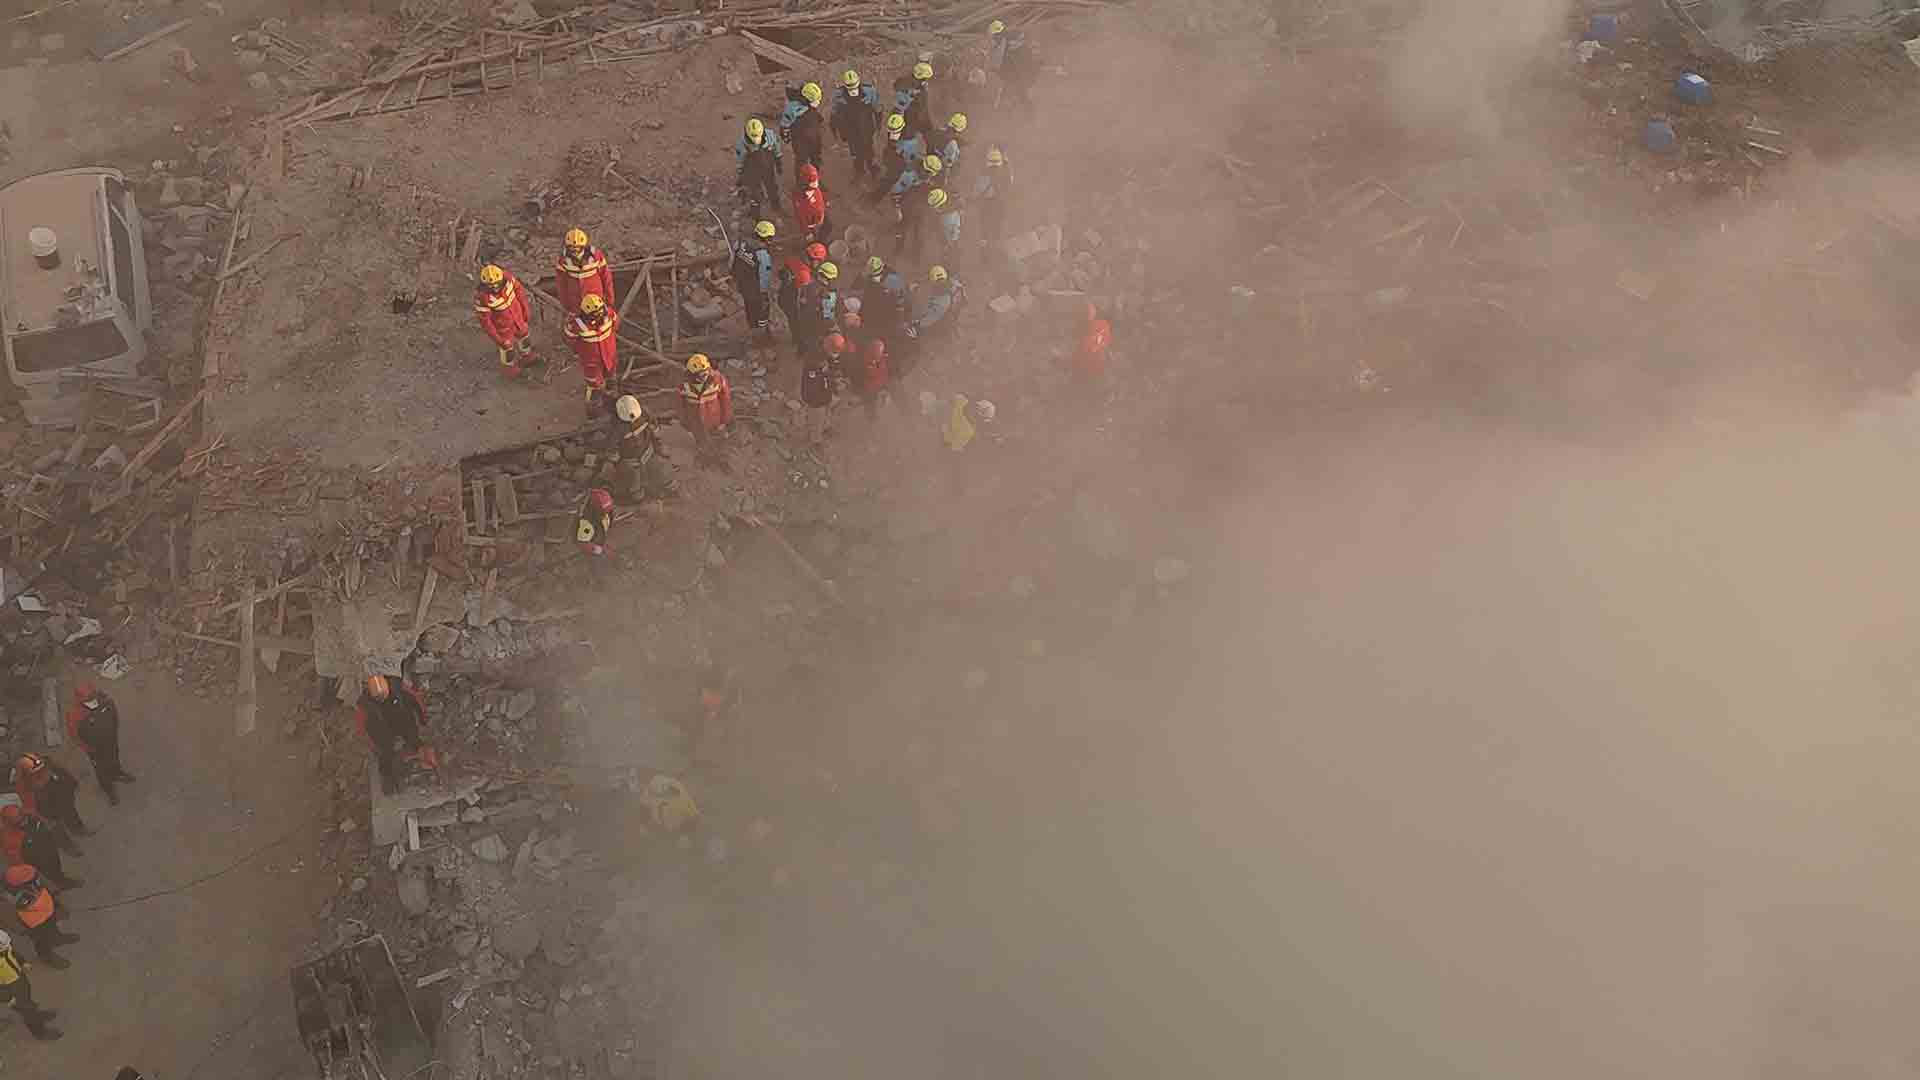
(147, 39)
(55, 731)
(506, 501)
(480, 507)
(426, 599)
(268, 595)
(780, 54)
(271, 656)
(160, 437)
(261, 642)
(246, 698)
(256, 256)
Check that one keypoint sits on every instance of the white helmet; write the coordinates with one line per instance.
(628, 408)
(6, 941)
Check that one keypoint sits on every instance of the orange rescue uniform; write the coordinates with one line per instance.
(504, 317)
(707, 406)
(596, 347)
(590, 277)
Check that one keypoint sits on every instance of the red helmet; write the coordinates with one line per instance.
(835, 344)
(817, 251)
(601, 499)
(28, 764)
(809, 174)
(9, 814)
(852, 320)
(86, 691)
(20, 874)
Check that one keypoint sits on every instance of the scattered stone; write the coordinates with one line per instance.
(520, 705)
(734, 83)
(359, 885)
(415, 895)
(347, 825)
(1022, 587)
(465, 942)
(260, 81)
(553, 941)
(252, 59)
(440, 639)
(716, 850)
(490, 848)
(549, 455)
(1168, 570)
(517, 937)
(473, 815)
(183, 62)
(715, 557)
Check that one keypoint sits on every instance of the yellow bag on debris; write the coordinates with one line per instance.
(670, 803)
(959, 430)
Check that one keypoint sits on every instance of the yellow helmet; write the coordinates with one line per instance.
(583, 532)
(938, 273)
(851, 80)
(491, 275)
(931, 165)
(756, 129)
(995, 157)
(698, 364)
(923, 71)
(830, 271)
(996, 27)
(593, 304)
(811, 91)
(628, 409)
(957, 122)
(763, 229)
(876, 265)
(576, 238)
(936, 198)
(896, 122)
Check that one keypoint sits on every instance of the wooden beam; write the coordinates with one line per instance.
(780, 54)
(426, 600)
(270, 655)
(268, 595)
(160, 437)
(256, 256)
(262, 642)
(50, 719)
(247, 701)
(145, 40)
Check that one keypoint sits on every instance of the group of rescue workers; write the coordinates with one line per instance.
(38, 825)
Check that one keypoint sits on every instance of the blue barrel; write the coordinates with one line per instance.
(1603, 28)
(1659, 136)
(1693, 89)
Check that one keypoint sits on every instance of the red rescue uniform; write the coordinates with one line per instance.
(707, 406)
(504, 317)
(809, 209)
(596, 347)
(1090, 352)
(873, 367)
(577, 281)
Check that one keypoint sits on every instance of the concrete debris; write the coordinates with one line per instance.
(715, 557)
(414, 886)
(520, 705)
(516, 938)
(490, 848)
(1168, 570)
(252, 59)
(1021, 587)
(260, 81)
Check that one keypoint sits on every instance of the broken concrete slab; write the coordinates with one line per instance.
(516, 937)
(490, 848)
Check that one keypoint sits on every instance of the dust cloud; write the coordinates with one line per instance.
(1457, 59)
(1467, 756)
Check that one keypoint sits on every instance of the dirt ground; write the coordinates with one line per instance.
(947, 822)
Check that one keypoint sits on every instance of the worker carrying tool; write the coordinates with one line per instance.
(951, 142)
(39, 913)
(810, 206)
(802, 127)
(17, 991)
(910, 97)
(752, 269)
(46, 788)
(637, 444)
(856, 117)
(93, 723)
(393, 718)
(1089, 355)
(581, 271)
(1013, 60)
(706, 402)
(935, 313)
(591, 335)
(500, 303)
(903, 152)
(593, 524)
(758, 156)
(30, 838)
(946, 210)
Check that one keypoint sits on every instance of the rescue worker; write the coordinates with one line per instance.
(992, 190)
(946, 209)
(802, 128)
(934, 315)
(856, 117)
(93, 723)
(648, 473)
(500, 303)
(758, 156)
(752, 270)
(904, 150)
(593, 525)
(391, 716)
(17, 990)
(883, 303)
(795, 271)
(813, 307)
(827, 277)
(581, 271)
(910, 97)
(39, 915)
(591, 335)
(953, 143)
(46, 788)
(810, 206)
(909, 196)
(1009, 57)
(706, 402)
(30, 838)
(872, 378)
(817, 385)
(1090, 345)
